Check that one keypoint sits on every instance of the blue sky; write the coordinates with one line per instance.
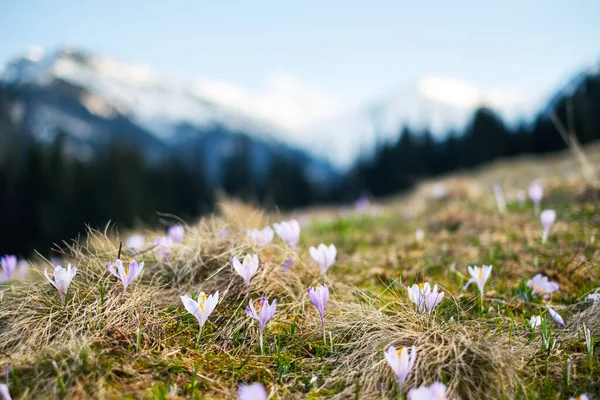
(346, 51)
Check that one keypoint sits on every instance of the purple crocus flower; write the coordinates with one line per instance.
(127, 274)
(254, 391)
(319, 297)
(555, 316)
(264, 315)
(9, 266)
(163, 246)
(176, 233)
(288, 263)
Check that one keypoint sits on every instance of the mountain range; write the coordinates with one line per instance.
(95, 99)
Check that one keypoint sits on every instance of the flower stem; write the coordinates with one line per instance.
(480, 302)
(324, 334)
(199, 335)
(545, 237)
(262, 349)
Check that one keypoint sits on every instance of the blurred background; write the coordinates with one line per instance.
(119, 111)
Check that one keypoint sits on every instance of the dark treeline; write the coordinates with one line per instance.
(416, 155)
(47, 195)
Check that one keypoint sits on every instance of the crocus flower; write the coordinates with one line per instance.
(201, 308)
(176, 233)
(547, 217)
(264, 315)
(323, 256)
(135, 242)
(593, 297)
(254, 391)
(4, 393)
(125, 274)
(535, 321)
(163, 246)
(499, 194)
(419, 235)
(437, 391)
(425, 298)
(479, 276)
(362, 203)
(536, 192)
(438, 191)
(288, 263)
(62, 279)
(9, 266)
(247, 269)
(262, 237)
(319, 297)
(542, 286)
(555, 316)
(401, 361)
(289, 232)
(583, 396)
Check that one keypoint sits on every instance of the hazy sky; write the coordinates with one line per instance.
(327, 56)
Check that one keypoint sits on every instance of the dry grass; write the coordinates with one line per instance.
(142, 345)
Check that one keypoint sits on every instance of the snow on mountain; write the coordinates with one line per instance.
(155, 102)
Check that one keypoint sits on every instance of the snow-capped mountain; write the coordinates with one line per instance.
(96, 99)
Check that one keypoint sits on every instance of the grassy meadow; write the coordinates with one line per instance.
(102, 344)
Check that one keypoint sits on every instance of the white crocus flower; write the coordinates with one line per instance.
(437, 391)
(583, 396)
(289, 232)
(479, 276)
(246, 269)
(262, 237)
(254, 391)
(201, 308)
(4, 393)
(135, 243)
(176, 233)
(535, 321)
(593, 297)
(401, 361)
(323, 256)
(425, 298)
(536, 192)
(125, 274)
(542, 286)
(547, 218)
(62, 279)
(419, 235)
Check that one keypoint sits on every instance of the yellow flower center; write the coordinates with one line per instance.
(248, 260)
(480, 273)
(201, 299)
(421, 285)
(399, 352)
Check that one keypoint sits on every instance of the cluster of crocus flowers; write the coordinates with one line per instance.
(265, 312)
(135, 243)
(289, 232)
(62, 279)
(542, 286)
(436, 391)
(247, 268)
(176, 233)
(254, 391)
(556, 316)
(261, 237)
(10, 267)
(536, 192)
(125, 274)
(401, 361)
(547, 217)
(319, 296)
(425, 299)
(323, 256)
(200, 308)
(479, 276)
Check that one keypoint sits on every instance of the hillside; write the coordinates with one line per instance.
(143, 344)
